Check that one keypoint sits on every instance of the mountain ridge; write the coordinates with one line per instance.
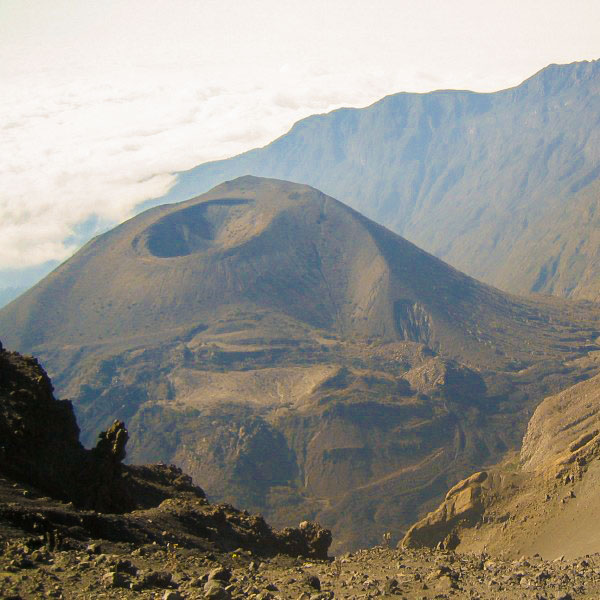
(473, 178)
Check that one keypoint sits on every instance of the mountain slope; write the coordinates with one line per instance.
(257, 245)
(295, 357)
(504, 186)
(547, 504)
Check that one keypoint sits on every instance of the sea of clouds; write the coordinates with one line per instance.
(79, 153)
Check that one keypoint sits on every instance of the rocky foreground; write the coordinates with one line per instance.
(29, 568)
(77, 523)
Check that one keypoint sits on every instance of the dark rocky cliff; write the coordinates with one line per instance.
(40, 451)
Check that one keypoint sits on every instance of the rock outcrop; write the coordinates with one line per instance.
(463, 507)
(39, 436)
(51, 485)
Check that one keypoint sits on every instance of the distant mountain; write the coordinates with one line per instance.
(504, 186)
(295, 357)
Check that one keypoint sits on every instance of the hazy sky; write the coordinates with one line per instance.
(101, 100)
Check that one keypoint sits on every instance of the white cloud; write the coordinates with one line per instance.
(70, 151)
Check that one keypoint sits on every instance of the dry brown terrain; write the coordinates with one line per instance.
(77, 523)
(103, 570)
(296, 358)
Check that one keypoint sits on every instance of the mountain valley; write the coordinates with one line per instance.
(175, 545)
(296, 358)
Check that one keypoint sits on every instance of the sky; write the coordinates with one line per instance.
(103, 101)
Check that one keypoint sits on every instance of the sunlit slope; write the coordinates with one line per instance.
(545, 502)
(266, 245)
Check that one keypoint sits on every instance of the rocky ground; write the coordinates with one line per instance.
(30, 569)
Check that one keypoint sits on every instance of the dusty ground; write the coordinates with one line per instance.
(154, 571)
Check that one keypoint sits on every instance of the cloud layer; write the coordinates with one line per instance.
(89, 152)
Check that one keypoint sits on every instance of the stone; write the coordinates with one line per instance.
(112, 579)
(126, 566)
(313, 581)
(94, 549)
(214, 589)
(390, 586)
(157, 579)
(446, 583)
(441, 571)
(220, 574)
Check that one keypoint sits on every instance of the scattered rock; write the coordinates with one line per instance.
(94, 548)
(216, 590)
(112, 579)
(125, 566)
(220, 574)
(391, 586)
(157, 579)
(313, 581)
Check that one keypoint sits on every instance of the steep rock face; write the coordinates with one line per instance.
(40, 442)
(34, 424)
(562, 424)
(296, 358)
(503, 186)
(463, 506)
(546, 504)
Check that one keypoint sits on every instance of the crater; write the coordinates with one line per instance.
(223, 223)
